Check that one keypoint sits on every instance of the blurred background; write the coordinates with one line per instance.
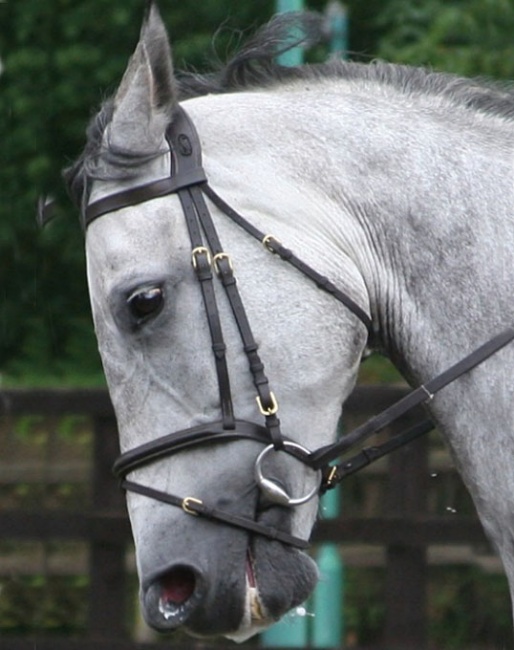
(59, 59)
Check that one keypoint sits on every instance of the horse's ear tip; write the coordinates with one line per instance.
(152, 22)
(152, 10)
(150, 5)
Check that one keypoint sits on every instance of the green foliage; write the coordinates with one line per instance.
(55, 605)
(467, 607)
(468, 37)
(61, 58)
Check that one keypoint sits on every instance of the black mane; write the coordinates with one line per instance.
(254, 66)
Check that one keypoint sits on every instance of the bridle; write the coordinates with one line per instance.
(187, 179)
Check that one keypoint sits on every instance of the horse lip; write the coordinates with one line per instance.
(250, 569)
(258, 612)
(255, 618)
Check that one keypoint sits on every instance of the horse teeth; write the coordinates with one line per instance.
(256, 609)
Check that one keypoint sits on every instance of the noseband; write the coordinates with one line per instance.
(187, 179)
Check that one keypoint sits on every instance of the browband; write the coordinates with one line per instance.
(184, 147)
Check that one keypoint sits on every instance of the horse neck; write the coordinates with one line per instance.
(439, 242)
(434, 203)
(406, 205)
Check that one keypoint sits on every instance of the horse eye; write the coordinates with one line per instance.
(147, 302)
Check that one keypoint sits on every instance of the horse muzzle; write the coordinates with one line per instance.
(221, 581)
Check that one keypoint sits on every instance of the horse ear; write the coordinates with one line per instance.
(146, 96)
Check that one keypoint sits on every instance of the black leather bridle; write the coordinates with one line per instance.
(187, 179)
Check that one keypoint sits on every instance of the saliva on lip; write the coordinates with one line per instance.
(168, 609)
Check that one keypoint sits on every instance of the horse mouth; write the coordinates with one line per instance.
(177, 593)
(235, 593)
(258, 613)
(256, 617)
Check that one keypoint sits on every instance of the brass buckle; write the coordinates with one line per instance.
(331, 476)
(222, 256)
(272, 409)
(266, 242)
(200, 250)
(187, 508)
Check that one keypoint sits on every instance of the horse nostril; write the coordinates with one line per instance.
(175, 590)
(177, 585)
(173, 596)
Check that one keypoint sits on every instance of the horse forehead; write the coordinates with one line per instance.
(143, 236)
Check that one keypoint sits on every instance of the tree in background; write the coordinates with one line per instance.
(467, 37)
(62, 57)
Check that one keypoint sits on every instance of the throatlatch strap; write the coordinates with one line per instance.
(287, 255)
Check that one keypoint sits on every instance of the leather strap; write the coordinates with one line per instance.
(333, 475)
(274, 246)
(187, 171)
(165, 446)
(193, 506)
(225, 271)
(141, 194)
(201, 260)
(175, 442)
(325, 455)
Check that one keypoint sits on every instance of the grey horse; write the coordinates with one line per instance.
(394, 182)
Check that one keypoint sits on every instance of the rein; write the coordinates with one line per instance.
(187, 179)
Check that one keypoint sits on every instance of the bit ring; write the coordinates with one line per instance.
(275, 492)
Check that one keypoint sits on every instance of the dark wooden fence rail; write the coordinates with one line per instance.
(404, 530)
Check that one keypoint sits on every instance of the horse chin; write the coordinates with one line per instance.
(266, 607)
(284, 577)
(255, 617)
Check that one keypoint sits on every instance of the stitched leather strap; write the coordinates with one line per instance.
(202, 265)
(223, 266)
(168, 445)
(141, 194)
(165, 446)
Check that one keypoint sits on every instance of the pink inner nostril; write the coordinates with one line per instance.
(177, 585)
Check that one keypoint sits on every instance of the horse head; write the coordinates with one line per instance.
(162, 359)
